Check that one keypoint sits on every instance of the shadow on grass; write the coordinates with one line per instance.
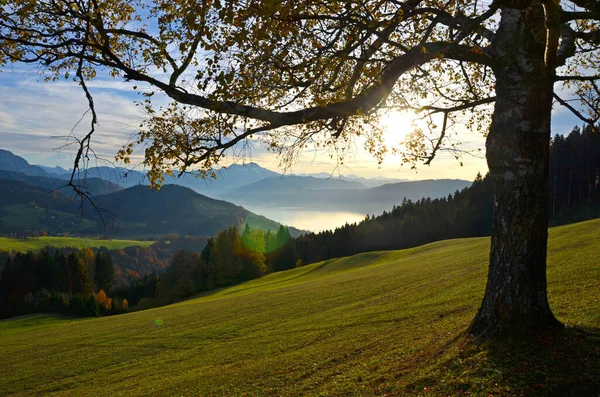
(560, 364)
(565, 363)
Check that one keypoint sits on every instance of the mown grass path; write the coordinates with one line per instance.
(383, 323)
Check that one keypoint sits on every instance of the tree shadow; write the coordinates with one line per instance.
(565, 363)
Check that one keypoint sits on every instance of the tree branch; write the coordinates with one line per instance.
(577, 113)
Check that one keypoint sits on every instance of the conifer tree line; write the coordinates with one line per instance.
(574, 187)
(57, 280)
(574, 171)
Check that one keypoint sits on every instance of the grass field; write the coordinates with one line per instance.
(385, 323)
(37, 243)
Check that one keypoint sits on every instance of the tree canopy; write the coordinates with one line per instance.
(293, 73)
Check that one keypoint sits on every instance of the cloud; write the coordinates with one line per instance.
(33, 112)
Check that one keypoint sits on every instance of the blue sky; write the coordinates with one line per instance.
(36, 116)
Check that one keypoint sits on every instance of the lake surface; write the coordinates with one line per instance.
(312, 220)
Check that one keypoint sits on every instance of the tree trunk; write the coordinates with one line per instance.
(517, 147)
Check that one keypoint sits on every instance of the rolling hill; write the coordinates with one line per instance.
(133, 212)
(381, 323)
(175, 209)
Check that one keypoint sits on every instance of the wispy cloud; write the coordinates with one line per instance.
(33, 114)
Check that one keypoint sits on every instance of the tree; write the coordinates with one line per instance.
(295, 72)
(104, 269)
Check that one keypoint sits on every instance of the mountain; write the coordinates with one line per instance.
(290, 185)
(26, 208)
(20, 193)
(368, 182)
(132, 212)
(228, 178)
(54, 171)
(338, 195)
(173, 210)
(12, 162)
(117, 175)
(94, 186)
(374, 182)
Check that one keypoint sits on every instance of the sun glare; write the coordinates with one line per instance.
(396, 127)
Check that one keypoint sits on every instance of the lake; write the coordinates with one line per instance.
(312, 220)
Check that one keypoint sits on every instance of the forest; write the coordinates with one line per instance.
(56, 280)
(87, 282)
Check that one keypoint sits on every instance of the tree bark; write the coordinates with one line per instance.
(517, 147)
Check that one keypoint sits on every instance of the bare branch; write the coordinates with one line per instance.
(575, 111)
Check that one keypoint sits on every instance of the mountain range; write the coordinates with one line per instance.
(33, 200)
(336, 194)
(136, 210)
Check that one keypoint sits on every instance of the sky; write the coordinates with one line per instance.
(36, 117)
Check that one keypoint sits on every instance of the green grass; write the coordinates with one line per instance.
(37, 243)
(384, 323)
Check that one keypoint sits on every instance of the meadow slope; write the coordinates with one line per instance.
(37, 243)
(383, 323)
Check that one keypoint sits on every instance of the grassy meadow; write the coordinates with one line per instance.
(382, 323)
(37, 243)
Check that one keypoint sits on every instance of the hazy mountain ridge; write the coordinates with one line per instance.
(93, 186)
(252, 185)
(117, 175)
(55, 171)
(174, 209)
(131, 212)
(355, 198)
(12, 162)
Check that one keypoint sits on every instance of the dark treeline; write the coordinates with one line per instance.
(574, 183)
(134, 262)
(59, 280)
(574, 175)
(466, 213)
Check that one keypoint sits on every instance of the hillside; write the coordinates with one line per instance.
(381, 323)
(12, 162)
(134, 212)
(173, 210)
(37, 243)
(94, 186)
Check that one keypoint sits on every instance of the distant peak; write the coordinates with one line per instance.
(247, 165)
